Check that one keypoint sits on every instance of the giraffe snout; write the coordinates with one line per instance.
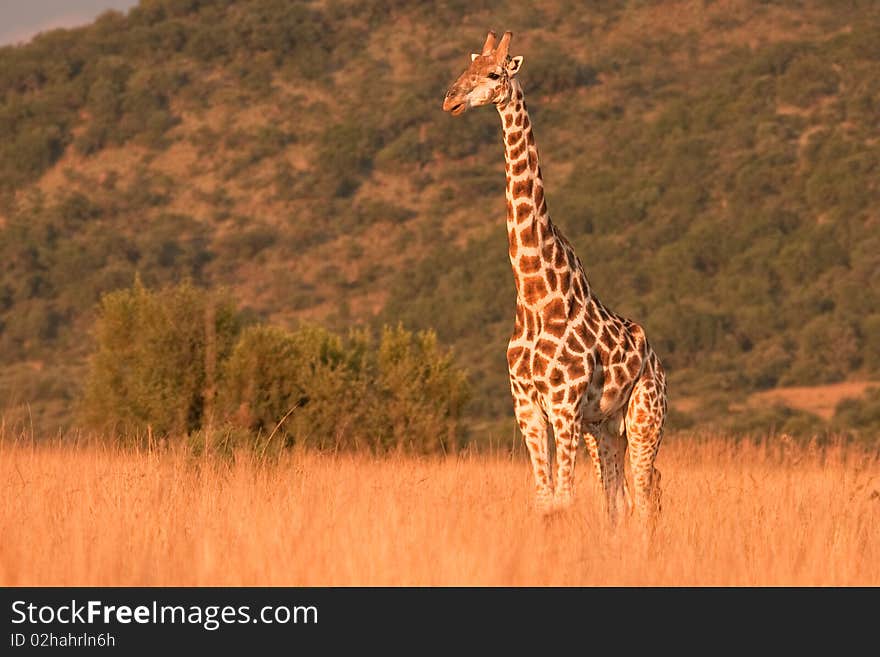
(454, 103)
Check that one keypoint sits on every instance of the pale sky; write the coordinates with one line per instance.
(22, 19)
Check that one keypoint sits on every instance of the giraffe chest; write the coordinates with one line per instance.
(575, 364)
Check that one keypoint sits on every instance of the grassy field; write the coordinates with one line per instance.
(769, 513)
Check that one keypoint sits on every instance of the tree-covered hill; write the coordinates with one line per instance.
(715, 164)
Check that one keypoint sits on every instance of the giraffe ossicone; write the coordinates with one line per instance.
(574, 364)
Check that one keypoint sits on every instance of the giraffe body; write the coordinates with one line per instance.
(574, 365)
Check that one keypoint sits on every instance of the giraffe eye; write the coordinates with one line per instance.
(493, 76)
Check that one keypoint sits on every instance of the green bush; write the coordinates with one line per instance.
(758, 420)
(157, 357)
(871, 333)
(829, 348)
(174, 362)
(422, 392)
(552, 70)
(346, 153)
(286, 30)
(210, 43)
(806, 80)
(310, 387)
(33, 151)
(860, 415)
(300, 382)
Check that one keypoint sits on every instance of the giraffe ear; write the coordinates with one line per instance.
(514, 65)
(474, 56)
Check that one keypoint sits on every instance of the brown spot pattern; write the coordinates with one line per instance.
(523, 212)
(539, 364)
(556, 329)
(574, 344)
(565, 282)
(547, 347)
(530, 264)
(576, 369)
(633, 365)
(522, 188)
(533, 289)
(528, 237)
(554, 311)
(513, 355)
(605, 338)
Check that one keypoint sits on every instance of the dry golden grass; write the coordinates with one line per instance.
(734, 514)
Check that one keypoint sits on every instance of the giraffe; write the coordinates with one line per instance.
(574, 364)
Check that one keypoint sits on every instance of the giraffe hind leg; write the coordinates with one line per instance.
(645, 417)
(606, 444)
(614, 439)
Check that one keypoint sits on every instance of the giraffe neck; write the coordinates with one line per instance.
(525, 188)
(536, 249)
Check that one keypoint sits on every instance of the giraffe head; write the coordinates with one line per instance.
(487, 78)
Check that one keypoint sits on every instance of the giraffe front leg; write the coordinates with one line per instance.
(534, 429)
(567, 433)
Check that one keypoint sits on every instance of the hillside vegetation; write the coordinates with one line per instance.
(715, 165)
